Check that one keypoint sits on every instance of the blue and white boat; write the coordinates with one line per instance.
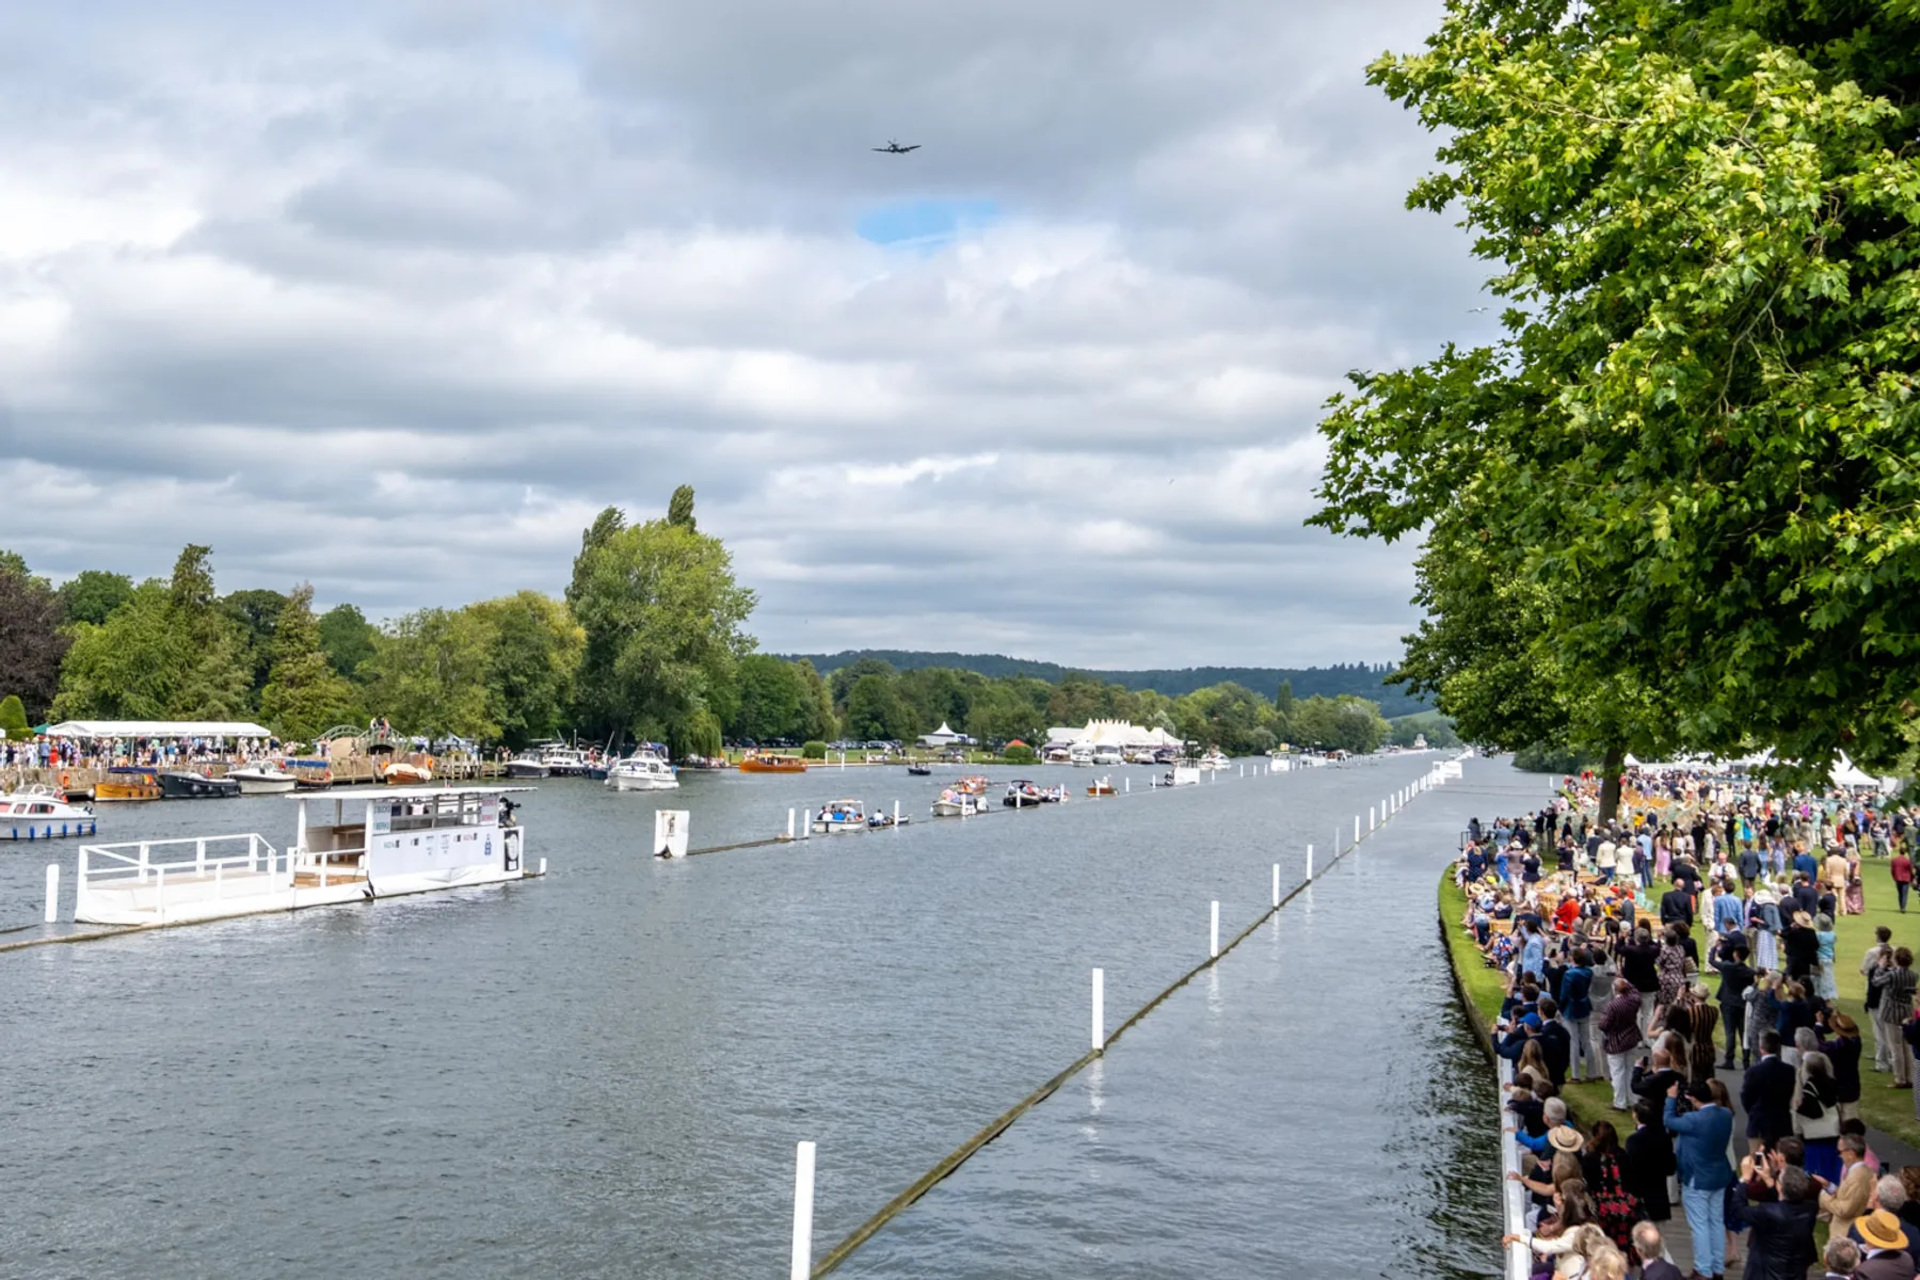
(41, 813)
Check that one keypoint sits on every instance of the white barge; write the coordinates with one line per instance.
(349, 845)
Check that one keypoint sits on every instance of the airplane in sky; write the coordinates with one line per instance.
(895, 149)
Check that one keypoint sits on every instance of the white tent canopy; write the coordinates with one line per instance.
(157, 729)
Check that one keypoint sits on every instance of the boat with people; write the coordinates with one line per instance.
(128, 782)
(350, 845)
(772, 762)
(1101, 787)
(880, 821)
(841, 815)
(644, 770)
(1022, 794)
(39, 812)
(185, 784)
(974, 786)
(1181, 775)
(955, 803)
(528, 764)
(267, 779)
(1214, 761)
(920, 770)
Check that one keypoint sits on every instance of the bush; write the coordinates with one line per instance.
(13, 719)
(1020, 755)
(814, 751)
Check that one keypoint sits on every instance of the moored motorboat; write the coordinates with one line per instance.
(183, 784)
(563, 761)
(1101, 787)
(527, 765)
(1022, 794)
(404, 841)
(41, 813)
(128, 782)
(841, 815)
(1214, 762)
(311, 775)
(644, 770)
(405, 773)
(770, 762)
(263, 780)
(1182, 775)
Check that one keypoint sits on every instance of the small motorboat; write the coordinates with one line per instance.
(975, 786)
(954, 803)
(1022, 794)
(263, 780)
(563, 761)
(644, 770)
(920, 770)
(841, 815)
(1108, 755)
(1100, 787)
(41, 813)
(182, 784)
(1181, 775)
(880, 821)
(406, 773)
(1214, 761)
(528, 765)
(128, 782)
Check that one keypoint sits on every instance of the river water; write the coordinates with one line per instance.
(603, 1073)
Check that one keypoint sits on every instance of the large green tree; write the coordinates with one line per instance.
(533, 653)
(347, 638)
(429, 675)
(93, 594)
(304, 696)
(1698, 435)
(662, 617)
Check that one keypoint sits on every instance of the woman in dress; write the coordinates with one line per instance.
(1825, 980)
(1816, 1111)
(1616, 1208)
(1763, 924)
(1855, 898)
(1662, 856)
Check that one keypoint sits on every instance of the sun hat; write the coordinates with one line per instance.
(1802, 919)
(1881, 1230)
(1565, 1138)
(1843, 1025)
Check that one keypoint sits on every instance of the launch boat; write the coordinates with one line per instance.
(349, 845)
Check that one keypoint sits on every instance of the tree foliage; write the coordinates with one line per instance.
(533, 651)
(428, 674)
(1697, 436)
(304, 696)
(13, 718)
(32, 642)
(93, 594)
(662, 618)
(347, 638)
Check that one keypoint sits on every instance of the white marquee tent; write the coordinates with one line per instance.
(157, 729)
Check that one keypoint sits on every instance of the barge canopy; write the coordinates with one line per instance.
(157, 729)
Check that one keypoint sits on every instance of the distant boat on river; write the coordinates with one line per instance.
(769, 762)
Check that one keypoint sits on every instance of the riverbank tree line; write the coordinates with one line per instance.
(648, 642)
(1672, 506)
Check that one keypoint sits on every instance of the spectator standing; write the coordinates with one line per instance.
(1701, 1136)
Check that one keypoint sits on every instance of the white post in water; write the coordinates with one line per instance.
(1309, 862)
(802, 1264)
(1126, 784)
(789, 824)
(1213, 945)
(896, 813)
(53, 892)
(1276, 882)
(1356, 828)
(1099, 1009)
(1369, 817)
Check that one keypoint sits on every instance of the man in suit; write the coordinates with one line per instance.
(1843, 1259)
(1649, 1249)
(1767, 1094)
(1700, 1148)
(1556, 1044)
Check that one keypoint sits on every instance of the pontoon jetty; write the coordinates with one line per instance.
(348, 845)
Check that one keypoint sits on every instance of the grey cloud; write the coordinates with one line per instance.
(453, 279)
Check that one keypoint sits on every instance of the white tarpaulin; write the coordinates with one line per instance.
(157, 729)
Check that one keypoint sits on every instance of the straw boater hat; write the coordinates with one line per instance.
(1565, 1138)
(1843, 1025)
(1881, 1230)
(1802, 919)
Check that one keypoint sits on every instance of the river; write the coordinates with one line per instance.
(604, 1072)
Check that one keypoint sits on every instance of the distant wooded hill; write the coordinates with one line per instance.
(1367, 680)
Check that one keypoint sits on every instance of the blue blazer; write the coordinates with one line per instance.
(1701, 1145)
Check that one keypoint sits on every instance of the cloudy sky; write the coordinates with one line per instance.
(393, 297)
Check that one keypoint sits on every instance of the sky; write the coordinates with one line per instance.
(392, 298)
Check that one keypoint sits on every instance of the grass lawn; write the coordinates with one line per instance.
(1888, 1110)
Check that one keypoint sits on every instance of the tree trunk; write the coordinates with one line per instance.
(1610, 782)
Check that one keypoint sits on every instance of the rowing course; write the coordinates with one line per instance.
(1318, 1078)
(606, 1071)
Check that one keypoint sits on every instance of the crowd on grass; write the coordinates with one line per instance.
(1721, 986)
